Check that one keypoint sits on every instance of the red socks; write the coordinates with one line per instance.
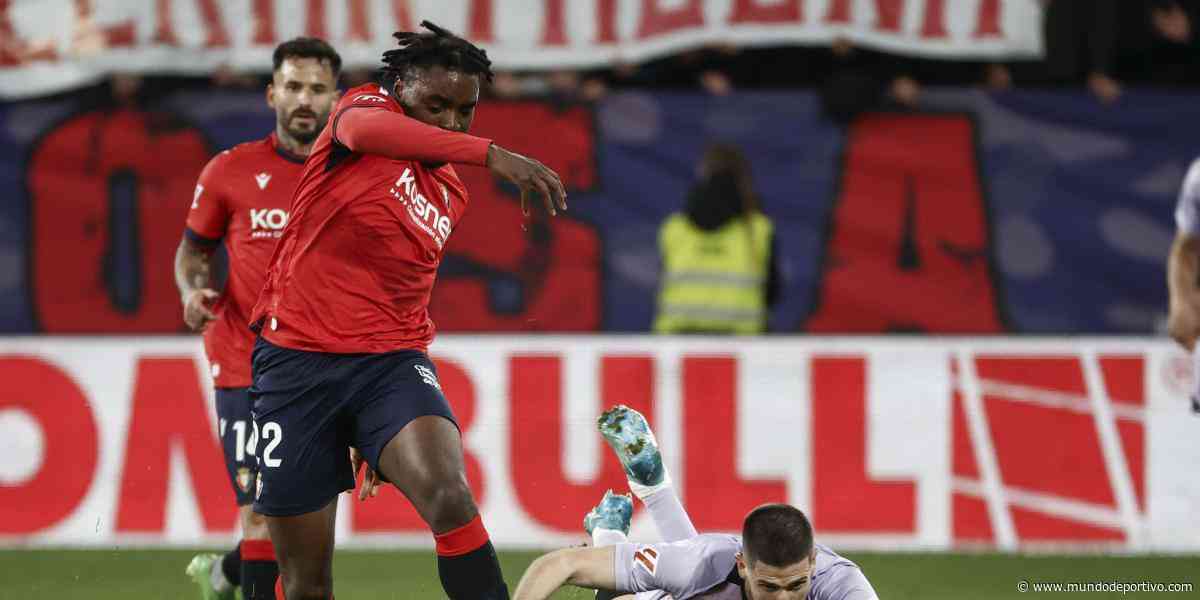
(465, 539)
(467, 564)
(465, 559)
(258, 550)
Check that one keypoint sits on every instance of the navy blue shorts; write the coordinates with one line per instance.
(237, 440)
(310, 407)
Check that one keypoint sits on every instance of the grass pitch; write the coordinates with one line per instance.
(380, 575)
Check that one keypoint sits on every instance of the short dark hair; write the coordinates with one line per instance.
(307, 47)
(437, 47)
(776, 534)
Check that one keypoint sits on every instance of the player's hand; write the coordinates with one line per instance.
(371, 481)
(531, 176)
(196, 308)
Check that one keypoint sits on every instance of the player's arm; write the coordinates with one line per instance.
(1183, 263)
(206, 222)
(1183, 282)
(584, 567)
(193, 271)
(375, 130)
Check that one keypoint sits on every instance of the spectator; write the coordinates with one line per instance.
(1081, 38)
(1160, 45)
(719, 255)
(862, 80)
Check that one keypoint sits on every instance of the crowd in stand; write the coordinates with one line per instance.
(1104, 45)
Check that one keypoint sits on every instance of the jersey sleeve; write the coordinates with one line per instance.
(681, 569)
(368, 124)
(843, 582)
(209, 214)
(1187, 209)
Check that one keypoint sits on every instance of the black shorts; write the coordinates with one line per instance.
(237, 440)
(310, 407)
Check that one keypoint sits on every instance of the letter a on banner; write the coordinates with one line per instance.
(910, 245)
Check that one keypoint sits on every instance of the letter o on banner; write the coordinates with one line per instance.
(48, 396)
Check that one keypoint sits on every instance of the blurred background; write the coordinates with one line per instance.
(959, 303)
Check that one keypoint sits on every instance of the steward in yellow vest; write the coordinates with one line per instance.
(717, 261)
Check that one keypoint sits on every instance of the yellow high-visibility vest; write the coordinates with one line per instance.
(713, 281)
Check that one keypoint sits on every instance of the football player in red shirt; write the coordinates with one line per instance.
(242, 199)
(340, 361)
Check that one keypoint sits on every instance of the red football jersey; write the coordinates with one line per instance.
(356, 264)
(242, 197)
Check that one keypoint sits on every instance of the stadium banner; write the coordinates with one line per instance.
(53, 45)
(932, 443)
(1026, 212)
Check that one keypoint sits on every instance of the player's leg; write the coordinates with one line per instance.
(217, 576)
(425, 461)
(406, 430)
(304, 545)
(302, 450)
(608, 524)
(628, 434)
(259, 567)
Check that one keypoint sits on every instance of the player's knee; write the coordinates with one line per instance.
(451, 506)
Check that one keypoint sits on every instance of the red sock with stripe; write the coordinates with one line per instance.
(467, 564)
(259, 569)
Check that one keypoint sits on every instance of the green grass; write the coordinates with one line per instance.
(379, 575)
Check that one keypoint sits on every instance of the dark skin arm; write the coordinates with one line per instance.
(530, 176)
(193, 268)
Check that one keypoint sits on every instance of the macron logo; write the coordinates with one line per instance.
(263, 179)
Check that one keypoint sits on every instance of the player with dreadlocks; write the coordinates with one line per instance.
(344, 323)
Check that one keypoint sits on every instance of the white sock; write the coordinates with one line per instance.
(217, 576)
(668, 514)
(643, 491)
(606, 537)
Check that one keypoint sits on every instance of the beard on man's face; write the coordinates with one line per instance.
(304, 125)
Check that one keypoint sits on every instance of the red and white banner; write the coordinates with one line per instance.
(51, 45)
(890, 444)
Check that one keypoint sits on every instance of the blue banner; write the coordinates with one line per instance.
(1038, 212)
